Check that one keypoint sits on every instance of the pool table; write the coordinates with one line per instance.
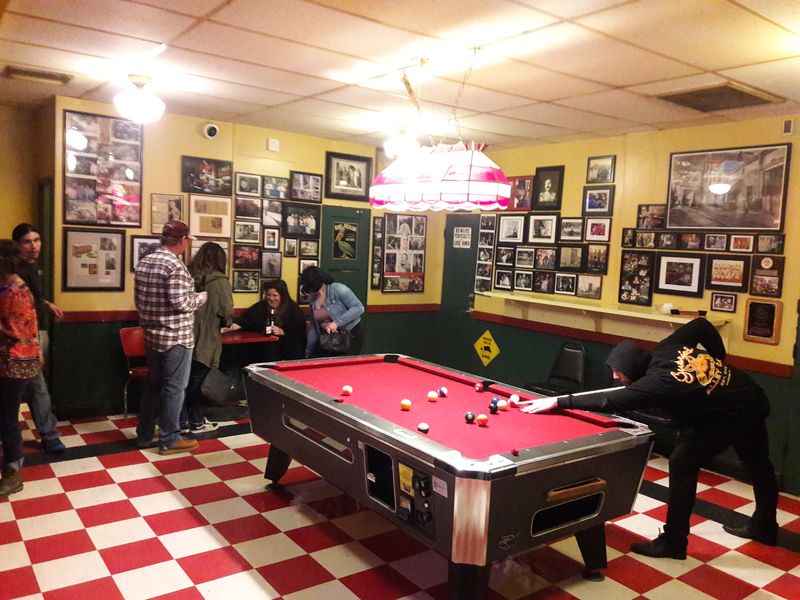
(475, 494)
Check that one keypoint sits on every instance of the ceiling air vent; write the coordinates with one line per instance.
(37, 76)
(720, 97)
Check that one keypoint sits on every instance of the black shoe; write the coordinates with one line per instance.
(661, 547)
(53, 446)
(11, 483)
(768, 535)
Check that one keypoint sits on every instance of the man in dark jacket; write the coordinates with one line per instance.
(715, 406)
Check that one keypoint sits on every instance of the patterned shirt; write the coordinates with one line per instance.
(19, 333)
(166, 301)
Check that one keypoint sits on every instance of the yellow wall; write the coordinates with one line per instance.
(641, 177)
(176, 135)
(17, 181)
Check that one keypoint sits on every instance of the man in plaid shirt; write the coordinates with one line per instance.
(166, 301)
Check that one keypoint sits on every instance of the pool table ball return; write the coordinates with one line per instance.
(476, 494)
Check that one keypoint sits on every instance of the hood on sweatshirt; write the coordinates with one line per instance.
(629, 359)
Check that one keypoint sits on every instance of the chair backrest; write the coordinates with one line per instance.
(570, 364)
(132, 339)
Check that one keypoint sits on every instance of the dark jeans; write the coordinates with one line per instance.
(38, 398)
(193, 413)
(11, 394)
(166, 388)
(697, 445)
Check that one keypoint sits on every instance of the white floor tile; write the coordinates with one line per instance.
(292, 517)
(96, 495)
(217, 459)
(13, 556)
(72, 570)
(746, 568)
(332, 590)
(644, 525)
(363, 524)
(187, 479)
(245, 486)
(153, 580)
(226, 510)
(259, 463)
(781, 516)
(659, 462)
(72, 441)
(152, 504)
(247, 584)
(133, 472)
(6, 514)
(38, 489)
(644, 503)
(425, 569)
(312, 491)
(78, 465)
(737, 488)
(346, 559)
(120, 532)
(241, 441)
(711, 530)
(269, 549)
(51, 524)
(673, 568)
(676, 589)
(608, 589)
(193, 541)
(94, 426)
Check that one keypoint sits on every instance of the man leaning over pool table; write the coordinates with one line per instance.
(714, 405)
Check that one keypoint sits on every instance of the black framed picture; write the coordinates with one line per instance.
(548, 185)
(767, 276)
(505, 256)
(636, 278)
(306, 187)
(503, 279)
(309, 248)
(93, 260)
(272, 238)
(276, 188)
(545, 258)
(646, 239)
(271, 213)
(542, 229)
(246, 257)
(206, 176)
(723, 302)
(248, 184)
(598, 229)
(523, 281)
(566, 283)
(290, 247)
(141, 246)
(571, 229)
(164, 208)
(521, 193)
(667, 240)
(511, 229)
(589, 286)
(770, 243)
(716, 242)
(270, 265)
(600, 169)
(742, 243)
(762, 322)
(570, 258)
(688, 240)
(680, 274)
(598, 201)
(301, 220)
(247, 207)
(544, 282)
(246, 282)
(628, 237)
(246, 232)
(347, 176)
(525, 257)
(597, 258)
(727, 272)
(651, 216)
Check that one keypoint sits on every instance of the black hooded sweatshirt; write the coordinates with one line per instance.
(685, 375)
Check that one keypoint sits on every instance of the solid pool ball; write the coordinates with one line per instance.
(424, 427)
(432, 396)
(513, 399)
(478, 387)
(347, 390)
(405, 404)
(469, 417)
(493, 408)
(495, 400)
(502, 405)
(482, 420)
(443, 392)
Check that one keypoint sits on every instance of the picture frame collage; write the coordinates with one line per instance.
(404, 253)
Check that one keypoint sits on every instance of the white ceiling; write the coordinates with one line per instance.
(515, 72)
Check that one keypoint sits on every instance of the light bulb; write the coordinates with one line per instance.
(139, 104)
(719, 188)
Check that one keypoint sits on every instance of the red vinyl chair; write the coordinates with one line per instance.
(132, 339)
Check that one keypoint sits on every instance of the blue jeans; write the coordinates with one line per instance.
(38, 399)
(166, 388)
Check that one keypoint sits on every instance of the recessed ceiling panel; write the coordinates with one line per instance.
(625, 105)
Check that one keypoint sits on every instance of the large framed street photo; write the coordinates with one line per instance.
(347, 176)
(749, 188)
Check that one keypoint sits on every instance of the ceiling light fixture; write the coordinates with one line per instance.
(137, 102)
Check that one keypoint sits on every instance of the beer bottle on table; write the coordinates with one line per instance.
(270, 322)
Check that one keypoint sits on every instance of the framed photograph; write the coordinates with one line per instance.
(272, 238)
(598, 201)
(600, 169)
(716, 242)
(723, 302)
(488, 222)
(347, 176)
(544, 282)
(523, 281)
(275, 188)
(210, 216)
(301, 220)
(570, 258)
(548, 184)
(571, 229)
(597, 258)
(247, 207)
(141, 246)
(646, 239)
(505, 256)
(651, 216)
(636, 278)
(248, 184)
(271, 213)
(290, 247)
(667, 240)
(271, 265)
(503, 279)
(598, 229)
(628, 237)
(164, 208)
(762, 322)
(524, 257)
(733, 188)
(306, 187)
(197, 244)
(545, 258)
(690, 241)
(245, 232)
(206, 176)
(304, 263)
(309, 248)
(566, 283)
(770, 243)
(246, 257)
(767, 276)
(486, 239)
(727, 272)
(590, 286)
(542, 229)
(680, 274)
(483, 284)
(484, 269)
(94, 260)
(510, 229)
(521, 193)
(376, 258)
(742, 243)
(245, 282)
(102, 176)
(485, 254)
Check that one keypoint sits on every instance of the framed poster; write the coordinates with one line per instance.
(600, 169)
(248, 184)
(141, 246)
(306, 187)
(248, 208)
(636, 278)
(166, 207)
(102, 177)
(345, 241)
(680, 274)
(245, 282)
(548, 185)
(727, 272)
(733, 188)
(347, 176)
(723, 302)
(206, 176)
(93, 260)
(275, 188)
(301, 220)
(210, 216)
(404, 253)
(762, 322)
(767, 276)
(521, 193)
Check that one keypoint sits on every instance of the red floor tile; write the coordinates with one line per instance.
(81, 481)
(550, 593)
(717, 584)
(660, 513)
(298, 475)
(110, 512)
(175, 520)
(246, 528)
(191, 593)
(125, 423)
(178, 465)
(723, 499)
(635, 575)
(253, 452)
(380, 583)
(89, 420)
(651, 474)
(790, 505)
(103, 437)
(620, 538)
(213, 564)
(211, 492)
(99, 588)
(66, 430)
(442, 592)
(293, 575)
(18, 583)
(318, 537)
(210, 445)
(235, 470)
(551, 564)
(9, 532)
(778, 557)
(45, 505)
(393, 545)
(336, 506)
(793, 526)
(134, 555)
(37, 472)
(268, 500)
(144, 487)
(59, 546)
(703, 549)
(786, 586)
(711, 479)
(123, 459)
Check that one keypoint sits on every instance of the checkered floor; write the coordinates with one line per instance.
(137, 525)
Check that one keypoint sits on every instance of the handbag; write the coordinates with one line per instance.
(219, 389)
(337, 342)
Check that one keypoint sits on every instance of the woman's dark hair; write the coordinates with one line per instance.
(209, 258)
(9, 258)
(23, 229)
(279, 285)
(312, 278)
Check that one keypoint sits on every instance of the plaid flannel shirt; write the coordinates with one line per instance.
(166, 301)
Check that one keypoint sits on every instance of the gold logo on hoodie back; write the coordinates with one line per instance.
(703, 368)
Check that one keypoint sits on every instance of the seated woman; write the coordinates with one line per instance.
(279, 312)
(334, 306)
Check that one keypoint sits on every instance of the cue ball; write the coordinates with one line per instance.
(432, 396)
(469, 417)
(478, 387)
(482, 420)
(502, 405)
(424, 427)
(443, 392)
(493, 408)
(405, 404)
(513, 399)
(347, 390)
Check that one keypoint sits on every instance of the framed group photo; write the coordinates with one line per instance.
(680, 274)
(301, 220)
(598, 201)
(636, 278)
(727, 272)
(94, 260)
(276, 188)
(306, 187)
(347, 176)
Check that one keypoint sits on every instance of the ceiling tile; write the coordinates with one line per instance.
(54, 60)
(573, 8)
(114, 16)
(562, 116)
(783, 12)
(626, 105)
(280, 118)
(778, 77)
(272, 52)
(532, 82)
(224, 89)
(706, 33)
(782, 109)
(577, 51)
(16, 91)
(681, 84)
(513, 127)
(195, 8)
(571, 137)
(626, 130)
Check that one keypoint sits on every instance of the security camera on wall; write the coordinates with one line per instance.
(211, 131)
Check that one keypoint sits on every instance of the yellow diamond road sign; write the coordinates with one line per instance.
(486, 348)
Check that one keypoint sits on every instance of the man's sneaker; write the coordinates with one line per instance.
(179, 446)
(661, 547)
(768, 536)
(11, 483)
(53, 446)
(204, 427)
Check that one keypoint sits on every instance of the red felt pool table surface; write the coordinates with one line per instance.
(379, 386)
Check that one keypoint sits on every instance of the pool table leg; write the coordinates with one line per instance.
(277, 464)
(592, 544)
(468, 582)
